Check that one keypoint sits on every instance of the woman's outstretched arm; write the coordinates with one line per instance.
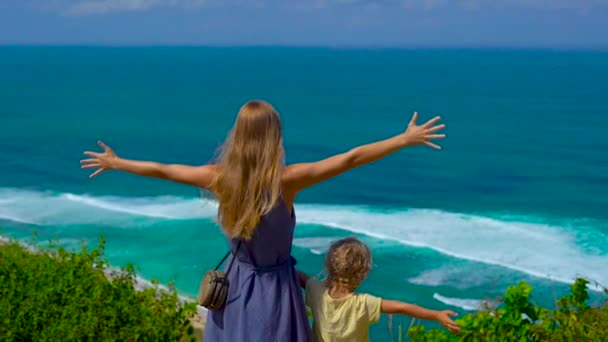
(199, 176)
(300, 176)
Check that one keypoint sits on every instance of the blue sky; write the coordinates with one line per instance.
(513, 23)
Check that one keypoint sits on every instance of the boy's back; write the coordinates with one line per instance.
(347, 316)
(343, 319)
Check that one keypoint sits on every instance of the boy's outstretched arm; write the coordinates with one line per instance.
(302, 278)
(443, 317)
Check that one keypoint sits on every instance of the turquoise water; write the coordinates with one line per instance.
(519, 191)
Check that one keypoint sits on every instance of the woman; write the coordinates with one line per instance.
(256, 193)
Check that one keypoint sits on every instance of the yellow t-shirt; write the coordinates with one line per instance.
(341, 320)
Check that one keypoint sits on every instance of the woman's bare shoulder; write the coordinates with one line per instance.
(289, 175)
(289, 183)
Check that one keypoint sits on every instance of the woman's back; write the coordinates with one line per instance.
(264, 300)
(272, 239)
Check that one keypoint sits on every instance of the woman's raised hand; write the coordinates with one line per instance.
(100, 161)
(423, 135)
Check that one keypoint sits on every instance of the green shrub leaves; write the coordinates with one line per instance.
(58, 295)
(521, 320)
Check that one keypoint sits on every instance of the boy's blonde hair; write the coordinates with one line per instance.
(348, 263)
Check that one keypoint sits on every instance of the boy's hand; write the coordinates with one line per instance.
(443, 317)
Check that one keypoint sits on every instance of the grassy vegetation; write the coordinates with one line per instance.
(519, 319)
(57, 295)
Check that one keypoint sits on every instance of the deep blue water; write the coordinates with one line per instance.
(519, 191)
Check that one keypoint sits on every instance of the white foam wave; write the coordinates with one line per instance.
(316, 245)
(537, 249)
(45, 208)
(14, 219)
(534, 248)
(435, 277)
(167, 207)
(465, 304)
(463, 276)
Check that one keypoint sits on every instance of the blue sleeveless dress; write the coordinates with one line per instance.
(265, 302)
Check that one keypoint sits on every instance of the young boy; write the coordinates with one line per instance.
(340, 314)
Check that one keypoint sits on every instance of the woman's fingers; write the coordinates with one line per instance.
(430, 144)
(413, 120)
(97, 160)
(435, 129)
(97, 173)
(105, 147)
(435, 136)
(431, 122)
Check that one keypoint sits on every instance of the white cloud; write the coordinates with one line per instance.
(471, 4)
(558, 4)
(90, 7)
(581, 5)
(430, 5)
(96, 7)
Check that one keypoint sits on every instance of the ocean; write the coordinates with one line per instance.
(519, 191)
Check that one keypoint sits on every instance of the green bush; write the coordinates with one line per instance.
(520, 320)
(58, 295)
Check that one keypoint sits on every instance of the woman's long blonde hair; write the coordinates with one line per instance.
(250, 165)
